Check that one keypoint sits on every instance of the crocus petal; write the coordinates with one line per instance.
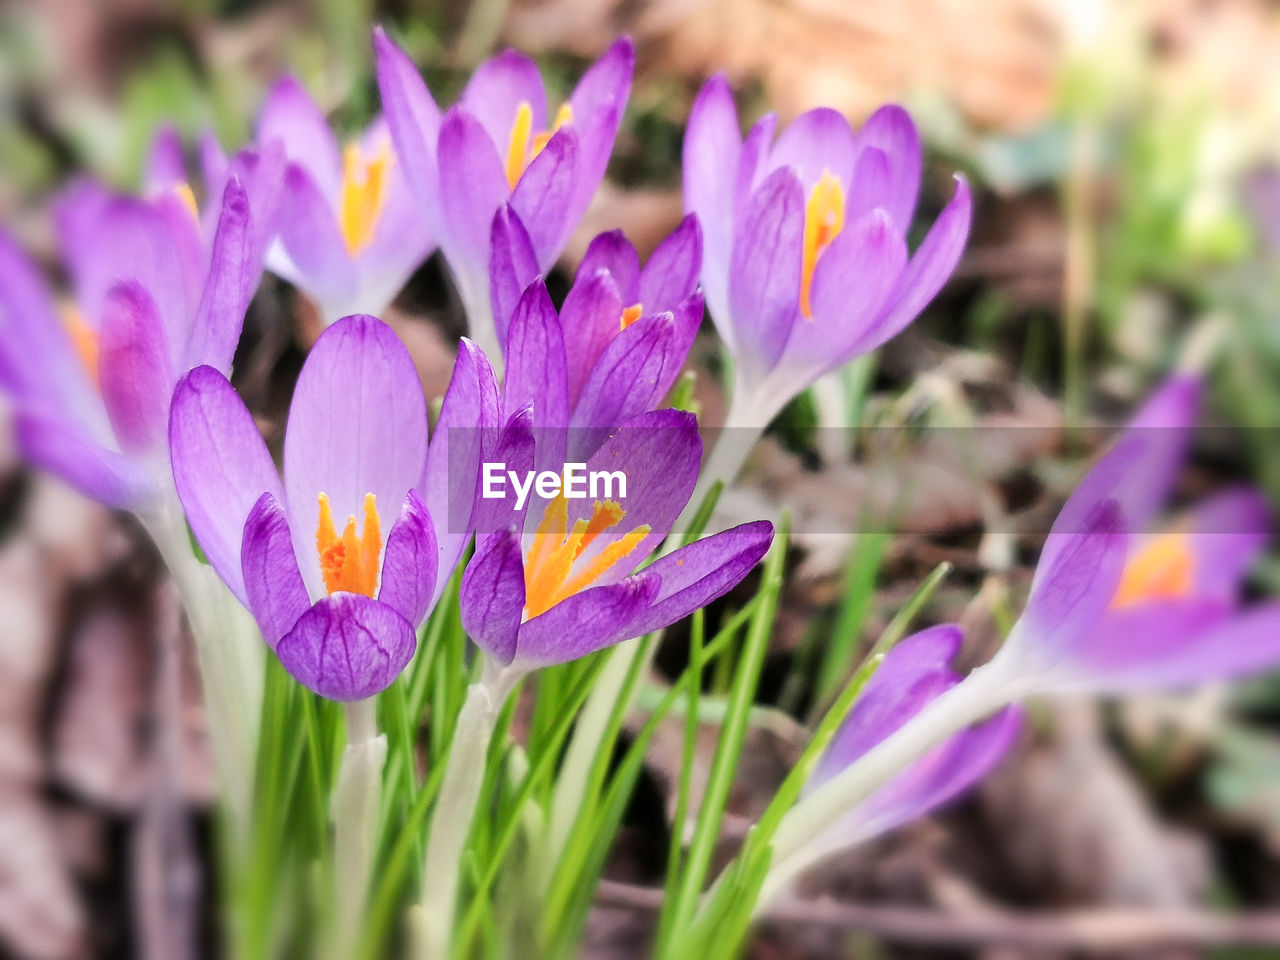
(591, 317)
(348, 647)
(220, 466)
(409, 562)
(233, 275)
(1228, 532)
(320, 262)
(892, 131)
(672, 271)
(292, 117)
(513, 266)
(764, 298)
(598, 103)
(872, 182)
(357, 425)
(536, 359)
(701, 572)
(930, 267)
(816, 142)
(492, 595)
(165, 164)
(542, 196)
(276, 595)
(136, 375)
(588, 621)
(100, 474)
(514, 452)
(613, 253)
(496, 90)
(214, 163)
(472, 187)
(414, 121)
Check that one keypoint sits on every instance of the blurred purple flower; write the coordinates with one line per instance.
(498, 145)
(338, 605)
(805, 260)
(91, 384)
(349, 233)
(913, 674)
(556, 583)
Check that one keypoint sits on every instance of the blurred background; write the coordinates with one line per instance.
(1126, 161)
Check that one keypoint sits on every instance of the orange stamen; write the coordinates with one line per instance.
(84, 340)
(631, 314)
(519, 154)
(823, 221)
(349, 563)
(184, 193)
(1163, 569)
(364, 195)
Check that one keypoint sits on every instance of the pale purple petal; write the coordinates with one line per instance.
(165, 165)
(410, 562)
(136, 375)
(67, 452)
(291, 116)
(543, 194)
(512, 267)
(892, 131)
(320, 262)
(497, 89)
(414, 121)
(598, 103)
(872, 179)
(817, 142)
(276, 595)
(233, 276)
(492, 595)
(472, 187)
(1228, 531)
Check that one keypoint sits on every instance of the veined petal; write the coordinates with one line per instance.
(536, 359)
(220, 466)
(892, 131)
(543, 194)
(512, 267)
(291, 116)
(67, 452)
(590, 318)
(348, 647)
(134, 369)
(613, 253)
(492, 595)
(588, 621)
(672, 271)
(233, 276)
(414, 121)
(472, 187)
(410, 562)
(276, 595)
(598, 103)
(816, 142)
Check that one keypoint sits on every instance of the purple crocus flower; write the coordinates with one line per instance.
(557, 583)
(615, 348)
(91, 384)
(912, 675)
(350, 234)
(337, 599)
(1113, 609)
(498, 144)
(805, 261)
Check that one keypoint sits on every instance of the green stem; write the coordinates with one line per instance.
(356, 809)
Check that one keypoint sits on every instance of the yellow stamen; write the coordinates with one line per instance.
(631, 314)
(548, 568)
(364, 195)
(349, 564)
(84, 339)
(823, 221)
(1163, 569)
(184, 193)
(519, 156)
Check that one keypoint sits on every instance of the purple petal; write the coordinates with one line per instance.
(348, 647)
(497, 89)
(588, 621)
(819, 141)
(233, 275)
(357, 425)
(291, 116)
(536, 359)
(100, 474)
(515, 450)
(872, 179)
(214, 164)
(591, 318)
(542, 196)
(1228, 533)
(598, 103)
(672, 271)
(166, 164)
(309, 231)
(276, 595)
(414, 121)
(220, 466)
(492, 595)
(701, 572)
(764, 296)
(410, 562)
(892, 131)
(136, 375)
(472, 187)
(512, 267)
(612, 252)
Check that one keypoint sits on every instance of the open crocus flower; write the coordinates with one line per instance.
(805, 265)
(615, 348)
(91, 383)
(341, 561)
(500, 144)
(557, 583)
(350, 234)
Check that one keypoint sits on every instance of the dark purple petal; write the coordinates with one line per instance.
(472, 187)
(536, 359)
(892, 131)
(764, 294)
(410, 562)
(414, 121)
(701, 572)
(309, 231)
(497, 89)
(672, 271)
(276, 595)
(348, 647)
(100, 474)
(292, 117)
(613, 253)
(233, 275)
(591, 318)
(588, 621)
(512, 267)
(492, 595)
(817, 142)
(598, 103)
(357, 425)
(135, 372)
(220, 466)
(543, 194)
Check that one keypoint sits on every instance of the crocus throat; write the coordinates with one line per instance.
(631, 314)
(549, 576)
(84, 340)
(364, 194)
(1163, 569)
(350, 563)
(823, 221)
(519, 155)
